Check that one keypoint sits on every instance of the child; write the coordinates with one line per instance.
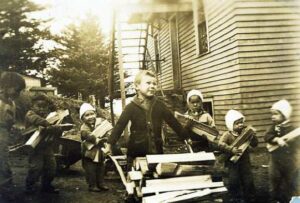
(42, 162)
(196, 112)
(146, 114)
(240, 174)
(11, 84)
(283, 162)
(92, 158)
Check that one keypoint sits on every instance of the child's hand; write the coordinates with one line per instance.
(189, 123)
(281, 142)
(106, 149)
(236, 151)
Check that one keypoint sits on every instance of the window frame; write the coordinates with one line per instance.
(197, 21)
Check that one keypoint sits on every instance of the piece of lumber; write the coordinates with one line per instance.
(182, 186)
(196, 195)
(179, 180)
(287, 138)
(173, 170)
(192, 158)
(242, 142)
(128, 185)
(140, 163)
(197, 127)
(164, 196)
(134, 175)
(102, 129)
(52, 118)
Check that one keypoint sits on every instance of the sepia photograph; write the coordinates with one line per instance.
(150, 101)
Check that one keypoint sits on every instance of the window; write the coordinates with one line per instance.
(200, 27)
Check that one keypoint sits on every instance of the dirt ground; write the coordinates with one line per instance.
(73, 188)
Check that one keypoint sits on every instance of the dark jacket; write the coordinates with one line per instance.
(279, 131)
(146, 127)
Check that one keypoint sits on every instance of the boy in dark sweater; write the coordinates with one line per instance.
(42, 162)
(240, 174)
(146, 114)
(284, 162)
(11, 84)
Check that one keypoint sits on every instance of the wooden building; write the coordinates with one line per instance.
(242, 54)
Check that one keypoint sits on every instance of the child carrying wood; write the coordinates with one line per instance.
(284, 161)
(92, 156)
(240, 180)
(11, 84)
(196, 112)
(146, 114)
(42, 161)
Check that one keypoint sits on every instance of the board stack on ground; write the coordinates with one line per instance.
(175, 178)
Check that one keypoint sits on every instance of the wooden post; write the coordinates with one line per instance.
(121, 70)
(111, 69)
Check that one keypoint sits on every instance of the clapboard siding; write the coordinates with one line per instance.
(253, 59)
(269, 48)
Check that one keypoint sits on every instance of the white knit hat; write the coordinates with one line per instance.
(84, 108)
(284, 107)
(231, 117)
(194, 93)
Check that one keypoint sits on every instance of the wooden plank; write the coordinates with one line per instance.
(164, 196)
(182, 186)
(181, 158)
(197, 194)
(174, 170)
(178, 180)
(291, 136)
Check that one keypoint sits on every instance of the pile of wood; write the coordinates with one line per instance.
(174, 178)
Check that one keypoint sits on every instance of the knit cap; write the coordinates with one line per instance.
(84, 108)
(231, 117)
(194, 93)
(284, 107)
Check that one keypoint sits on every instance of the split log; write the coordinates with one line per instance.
(290, 137)
(200, 129)
(196, 195)
(52, 118)
(189, 158)
(164, 196)
(173, 170)
(243, 141)
(178, 180)
(140, 163)
(99, 132)
(182, 186)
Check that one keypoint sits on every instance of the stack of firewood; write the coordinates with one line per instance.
(175, 178)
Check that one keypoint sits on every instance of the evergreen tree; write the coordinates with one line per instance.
(83, 66)
(20, 37)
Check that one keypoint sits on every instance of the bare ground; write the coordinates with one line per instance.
(73, 188)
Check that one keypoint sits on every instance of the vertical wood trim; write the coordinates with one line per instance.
(175, 52)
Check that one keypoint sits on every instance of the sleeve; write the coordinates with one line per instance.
(87, 136)
(34, 119)
(270, 135)
(223, 144)
(210, 121)
(174, 123)
(120, 126)
(254, 141)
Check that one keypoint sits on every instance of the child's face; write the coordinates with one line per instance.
(147, 86)
(89, 117)
(238, 125)
(13, 92)
(195, 103)
(41, 108)
(276, 117)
